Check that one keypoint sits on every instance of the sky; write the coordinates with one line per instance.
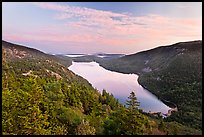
(95, 27)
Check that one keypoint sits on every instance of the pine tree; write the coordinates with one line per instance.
(132, 103)
(135, 121)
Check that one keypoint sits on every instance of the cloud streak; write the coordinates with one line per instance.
(106, 28)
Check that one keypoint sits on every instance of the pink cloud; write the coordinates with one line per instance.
(14, 37)
(107, 28)
(104, 20)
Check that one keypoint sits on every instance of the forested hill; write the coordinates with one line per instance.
(153, 59)
(40, 96)
(173, 73)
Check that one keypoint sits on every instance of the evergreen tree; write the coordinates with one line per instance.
(136, 121)
(132, 103)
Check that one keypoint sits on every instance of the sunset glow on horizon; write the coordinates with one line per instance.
(92, 27)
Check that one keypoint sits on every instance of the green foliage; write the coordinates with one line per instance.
(136, 122)
(108, 99)
(180, 83)
(132, 103)
(175, 74)
(44, 105)
(39, 106)
(115, 123)
(175, 128)
(50, 100)
(161, 125)
(127, 121)
(21, 113)
(85, 129)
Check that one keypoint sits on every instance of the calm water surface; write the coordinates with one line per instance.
(120, 85)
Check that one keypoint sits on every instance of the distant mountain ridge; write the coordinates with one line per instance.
(98, 57)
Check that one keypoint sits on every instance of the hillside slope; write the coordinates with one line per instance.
(40, 96)
(151, 60)
(172, 73)
(16, 52)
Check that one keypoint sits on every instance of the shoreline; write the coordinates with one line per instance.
(173, 107)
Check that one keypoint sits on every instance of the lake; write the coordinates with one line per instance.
(119, 84)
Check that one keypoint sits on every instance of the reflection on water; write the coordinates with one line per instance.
(120, 85)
